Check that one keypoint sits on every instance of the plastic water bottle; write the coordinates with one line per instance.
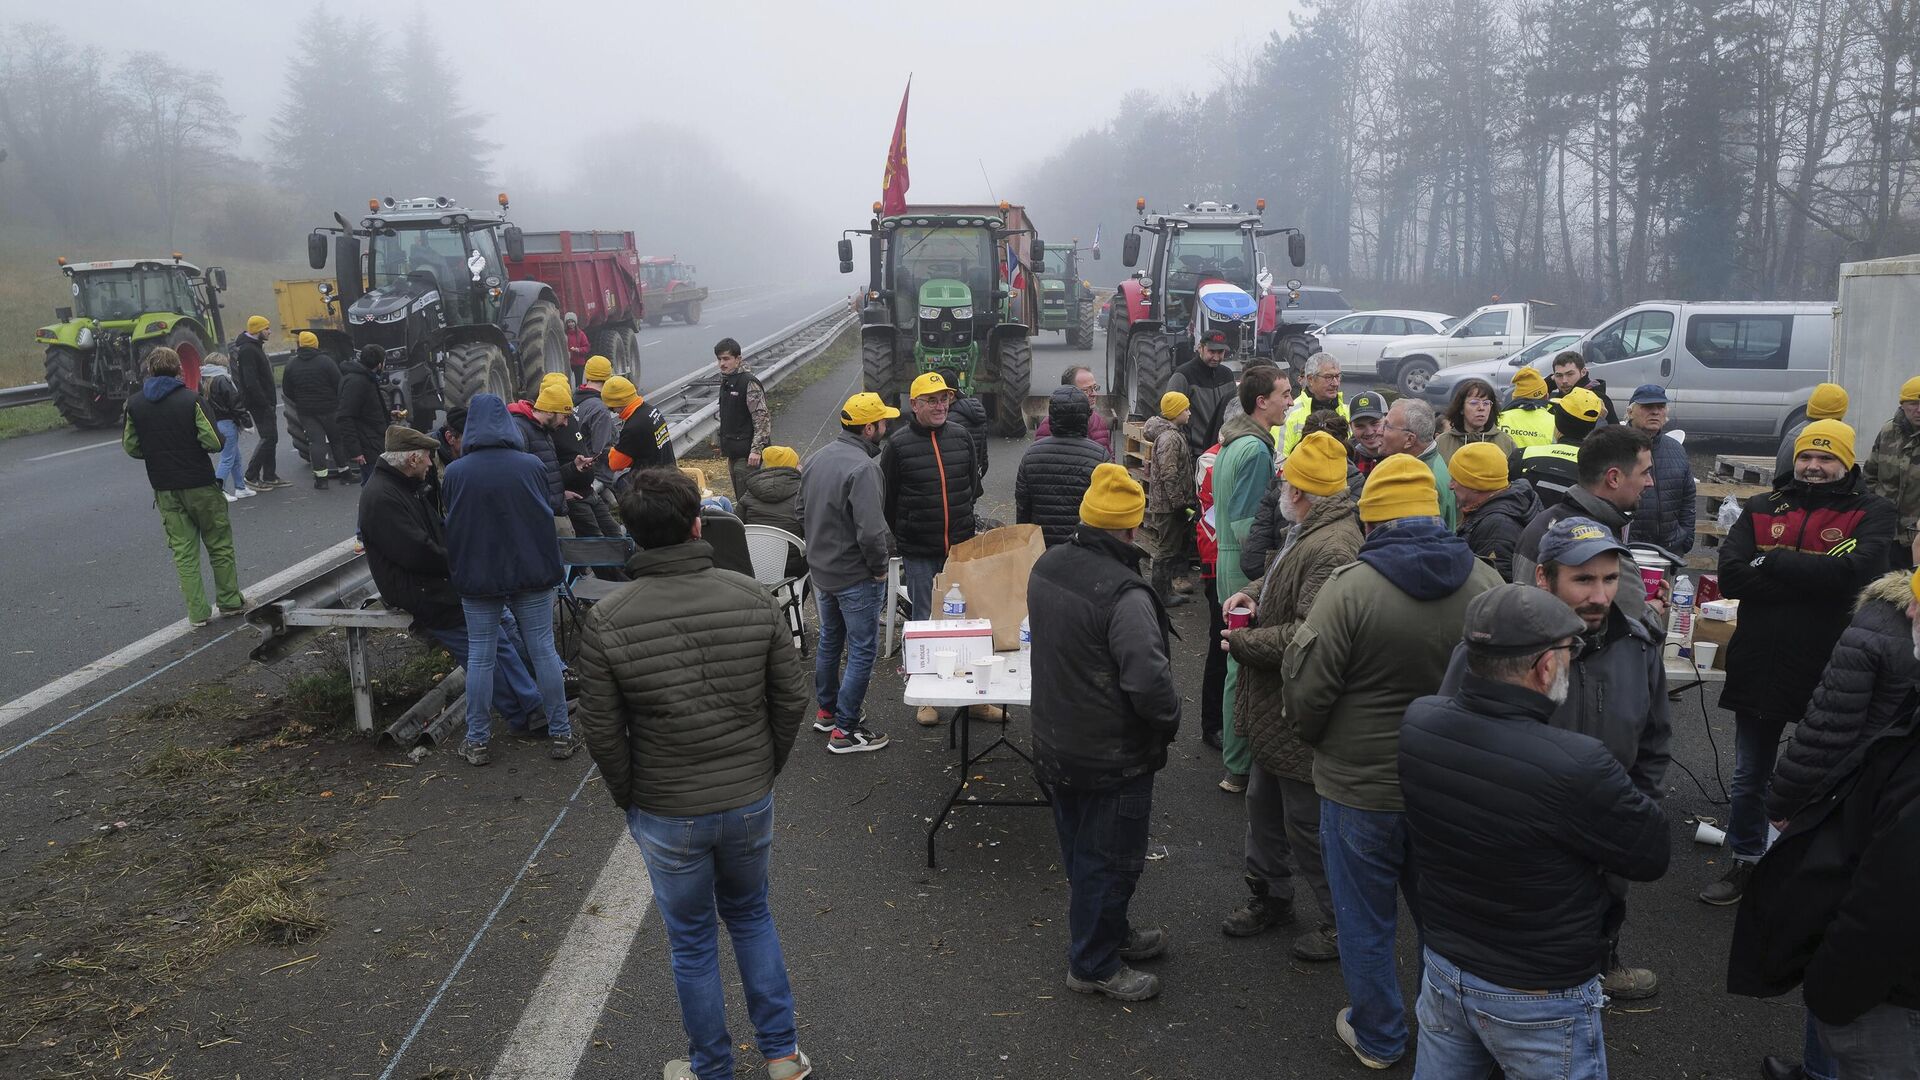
(955, 605)
(1680, 619)
(1026, 641)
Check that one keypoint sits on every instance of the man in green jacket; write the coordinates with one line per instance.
(1412, 428)
(1241, 475)
(691, 696)
(1378, 636)
(1892, 469)
(169, 431)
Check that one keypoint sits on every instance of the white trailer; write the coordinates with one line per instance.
(1876, 327)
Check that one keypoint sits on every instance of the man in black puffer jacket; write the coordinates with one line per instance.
(971, 413)
(254, 374)
(363, 414)
(1493, 510)
(311, 384)
(1055, 470)
(1515, 826)
(931, 483)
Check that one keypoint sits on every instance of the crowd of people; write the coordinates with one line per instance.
(1432, 671)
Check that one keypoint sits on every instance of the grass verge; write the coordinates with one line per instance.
(29, 420)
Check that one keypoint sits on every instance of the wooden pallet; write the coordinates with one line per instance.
(1744, 469)
(1136, 452)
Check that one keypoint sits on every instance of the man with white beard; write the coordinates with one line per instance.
(1517, 826)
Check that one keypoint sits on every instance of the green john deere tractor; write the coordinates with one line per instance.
(1066, 298)
(938, 297)
(122, 309)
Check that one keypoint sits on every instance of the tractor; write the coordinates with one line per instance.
(122, 309)
(948, 289)
(1066, 298)
(1207, 278)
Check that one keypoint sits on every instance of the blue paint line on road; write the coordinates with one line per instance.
(487, 924)
(135, 685)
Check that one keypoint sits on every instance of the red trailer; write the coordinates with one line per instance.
(596, 276)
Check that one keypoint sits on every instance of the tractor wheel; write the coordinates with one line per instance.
(691, 314)
(619, 347)
(628, 362)
(1084, 329)
(185, 341)
(655, 320)
(542, 346)
(1293, 351)
(1117, 380)
(478, 367)
(1150, 356)
(881, 366)
(296, 428)
(1013, 375)
(76, 400)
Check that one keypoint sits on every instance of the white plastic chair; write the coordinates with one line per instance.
(768, 548)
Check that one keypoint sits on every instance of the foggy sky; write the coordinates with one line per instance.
(800, 98)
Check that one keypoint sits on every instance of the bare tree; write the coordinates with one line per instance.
(178, 130)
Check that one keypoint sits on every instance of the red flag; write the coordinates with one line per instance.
(893, 185)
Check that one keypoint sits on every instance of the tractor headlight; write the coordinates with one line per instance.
(965, 312)
(392, 317)
(83, 339)
(929, 312)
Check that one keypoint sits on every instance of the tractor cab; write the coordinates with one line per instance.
(429, 265)
(121, 310)
(940, 278)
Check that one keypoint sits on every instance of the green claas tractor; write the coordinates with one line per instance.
(949, 289)
(122, 309)
(1066, 298)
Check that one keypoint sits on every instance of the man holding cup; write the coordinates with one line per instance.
(1104, 709)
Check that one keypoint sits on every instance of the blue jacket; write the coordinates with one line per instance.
(500, 534)
(1665, 516)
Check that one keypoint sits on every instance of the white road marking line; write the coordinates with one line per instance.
(127, 689)
(76, 450)
(651, 344)
(557, 1026)
(35, 699)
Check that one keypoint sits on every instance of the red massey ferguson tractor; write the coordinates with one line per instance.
(1206, 278)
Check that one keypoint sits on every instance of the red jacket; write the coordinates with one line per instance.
(578, 347)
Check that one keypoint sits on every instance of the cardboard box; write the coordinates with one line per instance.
(1720, 610)
(970, 638)
(1716, 631)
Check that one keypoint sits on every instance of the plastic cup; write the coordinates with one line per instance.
(1651, 577)
(1239, 617)
(1704, 652)
(983, 672)
(1710, 835)
(944, 661)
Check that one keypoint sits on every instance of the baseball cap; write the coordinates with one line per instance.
(866, 408)
(1576, 540)
(929, 382)
(1648, 394)
(1367, 404)
(1514, 620)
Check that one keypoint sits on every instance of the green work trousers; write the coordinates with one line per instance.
(192, 518)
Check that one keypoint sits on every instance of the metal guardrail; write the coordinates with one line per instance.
(691, 404)
(37, 393)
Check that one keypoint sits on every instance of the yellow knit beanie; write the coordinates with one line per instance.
(257, 323)
(599, 369)
(1401, 486)
(1114, 500)
(780, 457)
(1318, 465)
(618, 393)
(1829, 402)
(554, 395)
(1527, 383)
(1479, 467)
(1173, 403)
(1830, 436)
(1910, 390)
(307, 340)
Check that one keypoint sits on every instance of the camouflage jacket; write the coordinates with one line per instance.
(1892, 471)
(1170, 478)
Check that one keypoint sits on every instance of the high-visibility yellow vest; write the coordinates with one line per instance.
(1527, 427)
(1296, 421)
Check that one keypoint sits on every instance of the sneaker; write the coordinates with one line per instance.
(678, 1069)
(1630, 983)
(276, 482)
(1148, 944)
(927, 716)
(200, 622)
(1319, 944)
(319, 483)
(476, 753)
(561, 747)
(823, 722)
(244, 493)
(855, 741)
(1259, 914)
(987, 712)
(1234, 783)
(1123, 985)
(230, 496)
(1343, 1027)
(241, 610)
(1212, 738)
(1729, 888)
(796, 1067)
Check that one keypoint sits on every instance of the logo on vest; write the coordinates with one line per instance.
(1831, 536)
(1779, 529)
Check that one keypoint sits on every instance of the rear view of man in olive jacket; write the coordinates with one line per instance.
(692, 694)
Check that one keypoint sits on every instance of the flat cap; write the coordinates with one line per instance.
(1513, 620)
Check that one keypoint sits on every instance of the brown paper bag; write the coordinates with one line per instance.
(991, 570)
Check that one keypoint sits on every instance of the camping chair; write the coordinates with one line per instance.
(578, 592)
(770, 549)
(728, 538)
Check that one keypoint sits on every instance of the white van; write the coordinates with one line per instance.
(1740, 369)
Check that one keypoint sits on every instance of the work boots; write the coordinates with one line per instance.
(1260, 913)
(1163, 584)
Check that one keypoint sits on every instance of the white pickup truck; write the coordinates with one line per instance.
(1494, 330)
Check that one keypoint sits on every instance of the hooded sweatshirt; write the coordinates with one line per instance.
(500, 535)
(168, 430)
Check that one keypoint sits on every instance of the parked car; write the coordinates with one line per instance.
(1318, 305)
(1356, 340)
(1499, 371)
(1485, 333)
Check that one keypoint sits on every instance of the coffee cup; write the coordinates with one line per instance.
(1709, 834)
(1651, 577)
(944, 661)
(1704, 652)
(984, 670)
(1238, 617)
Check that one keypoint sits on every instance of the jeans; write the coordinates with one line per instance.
(192, 519)
(1103, 844)
(1815, 1061)
(1213, 684)
(263, 465)
(1368, 855)
(1756, 742)
(516, 695)
(229, 467)
(1883, 1044)
(1283, 818)
(1468, 1025)
(700, 865)
(533, 610)
(919, 570)
(849, 618)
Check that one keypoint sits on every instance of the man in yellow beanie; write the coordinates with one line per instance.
(1526, 419)
(536, 420)
(1283, 810)
(596, 421)
(1827, 402)
(644, 441)
(253, 373)
(1104, 709)
(1494, 511)
(772, 495)
(1892, 468)
(1796, 560)
(311, 385)
(1378, 636)
(1170, 493)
